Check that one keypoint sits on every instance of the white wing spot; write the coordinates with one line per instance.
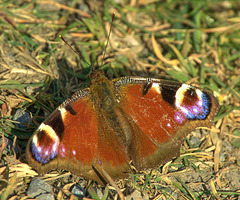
(35, 140)
(180, 94)
(39, 149)
(156, 87)
(74, 152)
(195, 110)
(63, 112)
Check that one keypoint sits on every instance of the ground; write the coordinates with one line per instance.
(196, 42)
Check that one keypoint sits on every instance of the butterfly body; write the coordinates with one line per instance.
(113, 122)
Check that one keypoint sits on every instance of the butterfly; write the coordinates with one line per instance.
(114, 122)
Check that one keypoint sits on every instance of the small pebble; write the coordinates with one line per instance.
(39, 189)
(9, 146)
(194, 140)
(23, 117)
(78, 191)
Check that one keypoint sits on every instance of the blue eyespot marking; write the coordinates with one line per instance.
(193, 103)
(41, 151)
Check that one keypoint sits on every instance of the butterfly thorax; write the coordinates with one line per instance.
(105, 101)
(102, 92)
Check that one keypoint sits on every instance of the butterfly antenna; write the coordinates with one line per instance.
(104, 52)
(74, 50)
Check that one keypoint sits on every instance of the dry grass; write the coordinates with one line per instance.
(193, 41)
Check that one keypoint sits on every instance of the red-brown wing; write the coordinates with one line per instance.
(71, 139)
(162, 113)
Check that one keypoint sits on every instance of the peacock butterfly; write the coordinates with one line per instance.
(115, 121)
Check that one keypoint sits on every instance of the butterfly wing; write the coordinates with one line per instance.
(78, 139)
(161, 114)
